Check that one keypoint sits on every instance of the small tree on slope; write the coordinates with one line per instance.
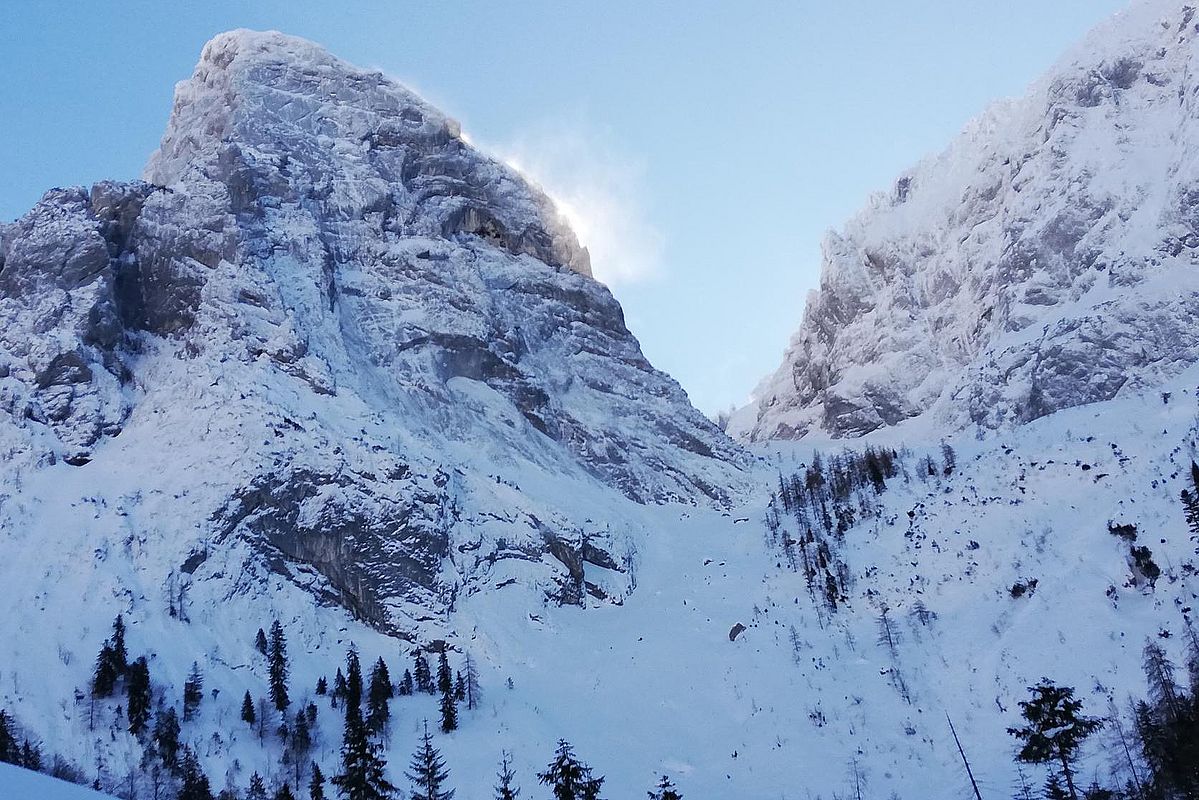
(278, 667)
(665, 790)
(428, 772)
(193, 691)
(1055, 729)
(316, 784)
(377, 696)
(569, 778)
(193, 781)
(247, 710)
(362, 766)
(506, 788)
(137, 704)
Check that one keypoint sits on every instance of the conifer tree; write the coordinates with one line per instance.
(104, 679)
(353, 690)
(322, 686)
(665, 790)
(300, 742)
(449, 712)
(260, 642)
(277, 656)
(1055, 729)
(378, 694)
(569, 778)
(257, 788)
(428, 772)
(406, 685)
(949, 458)
(339, 687)
(472, 683)
(193, 782)
(1167, 732)
(363, 767)
(445, 678)
(137, 688)
(1190, 507)
(506, 789)
(420, 671)
(193, 691)
(9, 751)
(1159, 673)
(316, 784)
(31, 756)
(284, 793)
(459, 687)
(120, 655)
(166, 737)
(247, 710)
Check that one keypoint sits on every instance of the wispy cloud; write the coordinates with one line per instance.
(599, 190)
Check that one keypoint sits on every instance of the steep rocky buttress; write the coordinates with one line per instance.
(330, 328)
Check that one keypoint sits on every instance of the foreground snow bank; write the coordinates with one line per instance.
(23, 784)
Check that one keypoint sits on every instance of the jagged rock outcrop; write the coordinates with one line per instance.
(333, 330)
(1047, 259)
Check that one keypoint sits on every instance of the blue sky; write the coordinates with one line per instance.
(703, 147)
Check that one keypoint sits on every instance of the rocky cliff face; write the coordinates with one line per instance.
(326, 326)
(1048, 258)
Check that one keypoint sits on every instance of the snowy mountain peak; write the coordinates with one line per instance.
(381, 349)
(258, 99)
(1045, 259)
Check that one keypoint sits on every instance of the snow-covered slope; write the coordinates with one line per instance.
(1046, 259)
(655, 684)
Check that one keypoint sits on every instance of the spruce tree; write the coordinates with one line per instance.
(300, 743)
(166, 737)
(665, 790)
(322, 686)
(353, 680)
(569, 778)
(406, 684)
(137, 688)
(247, 710)
(260, 642)
(193, 782)
(316, 784)
(428, 772)
(277, 656)
(459, 687)
(120, 655)
(284, 793)
(449, 712)
(506, 789)
(1055, 729)
(362, 765)
(9, 750)
(445, 678)
(31, 756)
(193, 692)
(256, 789)
(339, 687)
(378, 695)
(104, 679)
(420, 671)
